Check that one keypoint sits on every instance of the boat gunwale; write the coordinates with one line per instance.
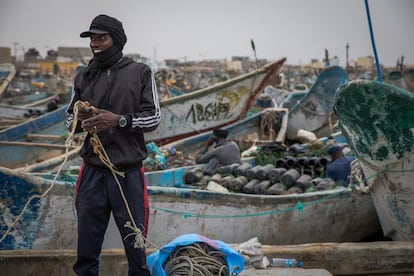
(269, 68)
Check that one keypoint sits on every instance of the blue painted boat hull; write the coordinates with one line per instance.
(19, 155)
(39, 124)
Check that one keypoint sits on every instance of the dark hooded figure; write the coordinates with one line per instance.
(120, 104)
(224, 152)
(339, 168)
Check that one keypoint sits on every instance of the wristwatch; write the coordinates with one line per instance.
(122, 122)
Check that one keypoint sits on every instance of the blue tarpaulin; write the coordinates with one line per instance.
(155, 261)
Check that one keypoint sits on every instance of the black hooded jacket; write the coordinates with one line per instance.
(127, 88)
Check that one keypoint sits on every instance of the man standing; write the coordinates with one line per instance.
(120, 105)
(224, 153)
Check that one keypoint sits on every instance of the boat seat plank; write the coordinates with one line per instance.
(30, 144)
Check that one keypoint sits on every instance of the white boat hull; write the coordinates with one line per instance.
(329, 216)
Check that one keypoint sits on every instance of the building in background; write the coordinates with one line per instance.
(65, 61)
(5, 55)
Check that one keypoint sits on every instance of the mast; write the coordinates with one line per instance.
(347, 55)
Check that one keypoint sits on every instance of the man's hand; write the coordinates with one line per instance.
(101, 120)
(85, 112)
(211, 141)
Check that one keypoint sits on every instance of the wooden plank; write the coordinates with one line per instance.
(371, 258)
(29, 144)
(385, 257)
(51, 162)
(31, 136)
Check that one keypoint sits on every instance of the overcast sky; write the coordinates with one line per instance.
(193, 29)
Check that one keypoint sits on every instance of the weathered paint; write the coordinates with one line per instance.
(14, 156)
(168, 178)
(373, 258)
(41, 124)
(247, 130)
(214, 106)
(347, 216)
(395, 77)
(313, 111)
(409, 78)
(13, 198)
(29, 98)
(378, 121)
(293, 98)
(7, 71)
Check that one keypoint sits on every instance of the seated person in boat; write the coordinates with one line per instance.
(225, 152)
(339, 168)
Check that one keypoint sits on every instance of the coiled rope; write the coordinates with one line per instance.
(272, 122)
(357, 176)
(197, 259)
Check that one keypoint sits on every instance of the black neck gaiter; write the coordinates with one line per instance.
(107, 58)
(98, 64)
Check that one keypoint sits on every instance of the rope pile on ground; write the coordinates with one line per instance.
(197, 259)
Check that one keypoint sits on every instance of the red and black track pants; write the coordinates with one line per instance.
(97, 195)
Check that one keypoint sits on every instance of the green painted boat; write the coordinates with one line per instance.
(377, 120)
(409, 78)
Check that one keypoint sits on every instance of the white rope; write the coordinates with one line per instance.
(357, 176)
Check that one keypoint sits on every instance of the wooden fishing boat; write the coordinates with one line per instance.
(28, 97)
(268, 125)
(25, 88)
(215, 106)
(49, 222)
(396, 78)
(293, 99)
(7, 73)
(271, 97)
(58, 86)
(378, 121)
(176, 91)
(34, 140)
(11, 115)
(20, 108)
(409, 78)
(314, 112)
(54, 88)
